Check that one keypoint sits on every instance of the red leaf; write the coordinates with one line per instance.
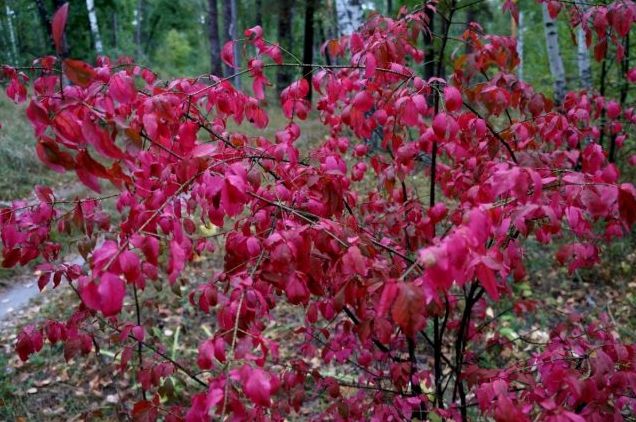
(79, 72)
(111, 291)
(227, 53)
(50, 154)
(453, 98)
(122, 88)
(627, 204)
(16, 91)
(257, 386)
(407, 309)
(487, 279)
(138, 332)
(144, 411)
(107, 296)
(206, 354)
(57, 26)
(176, 262)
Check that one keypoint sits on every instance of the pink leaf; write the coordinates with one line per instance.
(111, 290)
(227, 53)
(453, 98)
(122, 88)
(257, 386)
(487, 279)
(57, 26)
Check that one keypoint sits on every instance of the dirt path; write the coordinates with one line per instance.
(15, 298)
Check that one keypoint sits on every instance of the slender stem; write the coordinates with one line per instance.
(139, 346)
(438, 336)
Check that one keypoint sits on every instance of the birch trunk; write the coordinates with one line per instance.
(92, 20)
(520, 31)
(349, 15)
(12, 38)
(554, 56)
(582, 55)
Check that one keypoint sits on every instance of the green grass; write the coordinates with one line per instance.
(20, 168)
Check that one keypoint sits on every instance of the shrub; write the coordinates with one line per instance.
(393, 272)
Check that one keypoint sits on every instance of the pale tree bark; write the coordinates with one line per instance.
(582, 56)
(92, 20)
(350, 15)
(12, 37)
(213, 36)
(520, 44)
(554, 56)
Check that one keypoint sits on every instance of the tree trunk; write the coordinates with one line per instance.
(234, 36)
(227, 30)
(582, 56)
(138, 27)
(349, 14)
(258, 17)
(43, 14)
(308, 42)
(12, 37)
(92, 20)
(471, 16)
(323, 40)
(554, 56)
(285, 15)
(213, 35)
(520, 30)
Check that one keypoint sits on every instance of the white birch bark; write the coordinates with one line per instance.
(92, 20)
(520, 31)
(582, 55)
(554, 56)
(349, 15)
(12, 38)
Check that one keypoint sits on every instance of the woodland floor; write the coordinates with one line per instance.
(46, 388)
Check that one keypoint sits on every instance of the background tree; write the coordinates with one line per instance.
(215, 45)
(554, 55)
(94, 27)
(286, 10)
(308, 42)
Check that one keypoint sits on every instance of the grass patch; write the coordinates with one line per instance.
(20, 169)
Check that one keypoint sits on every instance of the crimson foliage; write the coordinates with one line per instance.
(393, 235)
